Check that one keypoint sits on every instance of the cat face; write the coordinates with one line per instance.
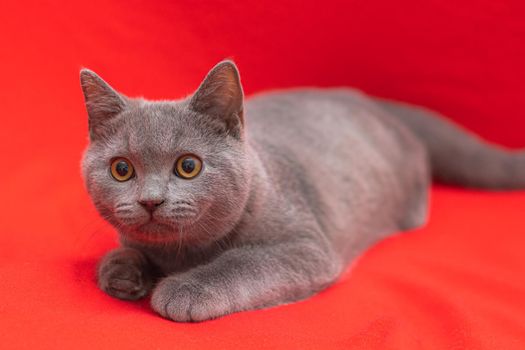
(168, 171)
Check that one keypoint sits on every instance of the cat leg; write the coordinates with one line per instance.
(125, 273)
(247, 278)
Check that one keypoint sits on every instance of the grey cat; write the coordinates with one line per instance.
(218, 213)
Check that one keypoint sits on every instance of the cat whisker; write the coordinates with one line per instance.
(180, 241)
(123, 205)
(123, 211)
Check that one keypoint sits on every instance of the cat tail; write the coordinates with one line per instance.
(457, 156)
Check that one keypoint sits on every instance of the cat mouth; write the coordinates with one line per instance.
(156, 224)
(153, 234)
(157, 232)
(168, 225)
(162, 229)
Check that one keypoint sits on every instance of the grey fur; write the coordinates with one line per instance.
(285, 200)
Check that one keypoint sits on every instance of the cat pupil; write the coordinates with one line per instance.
(122, 168)
(188, 165)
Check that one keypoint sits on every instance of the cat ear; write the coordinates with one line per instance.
(102, 102)
(220, 96)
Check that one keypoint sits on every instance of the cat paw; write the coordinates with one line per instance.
(124, 281)
(184, 299)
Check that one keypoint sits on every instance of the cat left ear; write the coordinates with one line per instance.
(103, 103)
(220, 96)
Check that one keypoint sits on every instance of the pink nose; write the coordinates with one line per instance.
(151, 204)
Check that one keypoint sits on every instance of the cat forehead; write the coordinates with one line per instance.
(157, 127)
(155, 117)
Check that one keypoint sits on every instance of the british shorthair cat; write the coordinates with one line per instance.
(224, 205)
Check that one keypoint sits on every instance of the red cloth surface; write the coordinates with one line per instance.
(458, 283)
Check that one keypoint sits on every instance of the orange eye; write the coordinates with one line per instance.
(121, 169)
(188, 166)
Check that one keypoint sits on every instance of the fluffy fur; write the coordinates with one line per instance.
(287, 196)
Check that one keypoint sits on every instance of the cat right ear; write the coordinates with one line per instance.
(103, 103)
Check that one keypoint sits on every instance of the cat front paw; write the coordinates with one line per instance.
(185, 299)
(124, 281)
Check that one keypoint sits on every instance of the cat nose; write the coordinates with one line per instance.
(151, 204)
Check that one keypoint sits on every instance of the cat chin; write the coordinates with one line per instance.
(152, 234)
(155, 227)
(156, 232)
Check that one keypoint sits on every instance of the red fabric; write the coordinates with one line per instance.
(457, 283)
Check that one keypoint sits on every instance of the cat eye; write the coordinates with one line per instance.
(121, 169)
(188, 166)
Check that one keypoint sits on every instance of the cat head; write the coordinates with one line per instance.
(168, 171)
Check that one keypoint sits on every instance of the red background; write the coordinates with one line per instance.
(457, 283)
